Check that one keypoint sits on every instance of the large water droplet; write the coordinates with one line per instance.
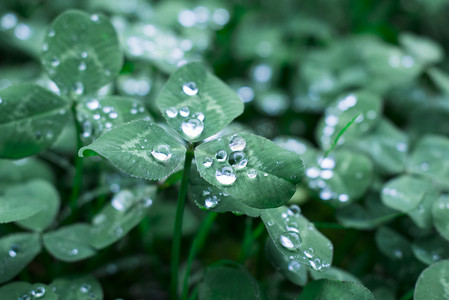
(237, 160)
(161, 152)
(225, 176)
(192, 127)
(290, 240)
(122, 200)
(252, 173)
(207, 162)
(221, 155)
(237, 143)
(171, 112)
(38, 292)
(211, 202)
(190, 88)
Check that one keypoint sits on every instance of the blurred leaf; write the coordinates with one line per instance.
(122, 214)
(297, 238)
(17, 250)
(290, 268)
(140, 148)
(431, 249)
(327, 289)
(48, 199)
(18, 203)
(197, 104)
(81, 52)
(440, 213)
(433, 283)
(97, 116)
(392, 244)
(342, 111)
(31, 119)
(250, 168)
(335, 274)
(24, 290)
(228, 282)
(423, 49)
(440, 79)
(23, 170)
(78, 288)
(69, 243)
(429, 158)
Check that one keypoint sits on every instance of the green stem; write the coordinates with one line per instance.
(176, 246)
(197, 244)
(78, 178)
(408, 295)
(247, 240)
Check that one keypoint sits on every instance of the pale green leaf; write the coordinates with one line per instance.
(81, 52)
(251, 169)
(297, 238)
(47, 197)
(70, 243)
(31, 119)
(77, 288)
(139, 148)
(440, 213)
(197, 104)
(16, 252)
(24, 290)
(421, 48)
(327, 289)
(440, 79)
(433, 282)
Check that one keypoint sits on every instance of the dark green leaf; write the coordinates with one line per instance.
(197, 104)
(327, 289)
(78, 288)
(139, 148)
(16, 252)
(440, 213)
(392, 244)
(24, 290)
(250, 168)
(431, 249)
(31, 119)
(81, 52)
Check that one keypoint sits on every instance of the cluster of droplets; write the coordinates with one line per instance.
(135, 86)
(36, 293)
(202, 17)
(398, 60)
(10, 22)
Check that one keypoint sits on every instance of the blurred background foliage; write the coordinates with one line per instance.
(297, 66)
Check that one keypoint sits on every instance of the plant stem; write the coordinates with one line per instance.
(247, 240)
(177, 233)
(78, 177)
(197, 244)
(408, 295)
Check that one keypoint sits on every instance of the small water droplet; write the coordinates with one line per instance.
(424, 166)
(82, 66)
(74, 251)
(398, 253)
(51, 33)
(211, 202)
(13, 251)
(78, 89)
(84, 54)
(122, 200)
(252, 173)
(184, 112)
(221, 155)
(237, 143)
(207, 162)
(161, 152)
(237, 160)
(316, 264)
(147, 202)
(199, 116)
(290, 240)
(85, 288)
(113, 115)
(294, 266)
(171, 112)
(24, 297)
(190, 88)
(327, 163)
(309, 252)
(270, 222)
(95, 18)
(45, 47)
(38, 292)
(55, 62)
(118, 231)
(225, 175)
(192, 127)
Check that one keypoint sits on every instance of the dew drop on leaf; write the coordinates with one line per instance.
(221, 155)
(237, 160)
(290, 240)
(82, 66)
(207, 162)
(225, 175)
(192, 127)
(309, 252)
(95, 18)
(237, 143)
(122, 200)
(13, 251)
(85, 288)
(84, 54)
(161, 152)
(252, 173)
(199, 116)
(55, 62)
(171, 112)
(78, 88)
(38, 292)
(211, 202)
(184, 112)
(190, 88)
(294, 266)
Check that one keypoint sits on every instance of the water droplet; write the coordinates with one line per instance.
(85, 288)
(290, 240)
(316, 264)
(51, 33)
(95, 18)
(309, 252)
(147, 202)
(237, 160)
(424, 166)
(221, 155)
(74, 251)
(93, 104)
(45, 47)
(401, 147)
(326, 174)
(98, 219)
(211, 202)
(82, 66)
(207, 162)
(398, 253)
(225, 176)
(24, 297)
(270, 222)
(38, 292)
(192, 127)
(8, 21)
(237, 143)
(55, 62)
(118, 231)
(13, 251)
(122, 200)
(190, 88)
(184, 112)
(199, 116)
(84, 54)
(295, 209)
(327, 163)
(161, 152)
(312, 172)
(343, 198)
(171, 112)
(78, 88)
(113, 115)
(294, 266)
(252, 173)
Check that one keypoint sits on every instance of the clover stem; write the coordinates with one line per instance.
(78, 177)
(197, 244)
(177, 233)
